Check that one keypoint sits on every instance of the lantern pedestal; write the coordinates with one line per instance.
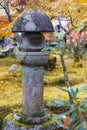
(11, 124)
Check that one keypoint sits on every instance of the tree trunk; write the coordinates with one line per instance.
(76, 55)
(76, 50)
(9, 16)
(7, 10)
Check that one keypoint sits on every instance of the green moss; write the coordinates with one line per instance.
(10, 84)
(9, 117)
(4, 111)
(50, 122)
(78, 65)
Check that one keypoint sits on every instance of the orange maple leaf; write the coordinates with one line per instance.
(67, 122)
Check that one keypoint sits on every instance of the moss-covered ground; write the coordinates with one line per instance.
(11, 83)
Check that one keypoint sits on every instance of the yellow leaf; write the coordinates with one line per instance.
(83, 1)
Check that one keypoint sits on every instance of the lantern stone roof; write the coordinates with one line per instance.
(33, 21)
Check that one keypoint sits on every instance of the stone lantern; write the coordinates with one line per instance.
(31, 24)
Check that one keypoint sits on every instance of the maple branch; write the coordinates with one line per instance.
(65, 73)
(71, 19)
(4, 5)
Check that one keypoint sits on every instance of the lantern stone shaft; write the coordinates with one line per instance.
(32, 91)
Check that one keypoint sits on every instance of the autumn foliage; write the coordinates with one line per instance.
(72, 10)
(67, 122)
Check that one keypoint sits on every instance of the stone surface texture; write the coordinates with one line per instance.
(32, 81)
(32, 78)
(33, 21)
(11, 124)
(32, 58)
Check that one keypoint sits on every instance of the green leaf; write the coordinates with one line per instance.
(60, 124)
(72, 93)
(58, 103)
(61, 103)
(73, 114)
(51, 104)
(83, 88)
(62, 116)
(61, 88)
(76, 125)
(81, 127)
(76, 92)
(81, 109)
(83, 103)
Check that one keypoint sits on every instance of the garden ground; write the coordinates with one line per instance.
(11, 90)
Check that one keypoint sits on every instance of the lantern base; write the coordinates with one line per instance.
(11, 124)
(20, 117)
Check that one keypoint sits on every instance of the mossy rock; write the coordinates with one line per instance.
(11, 124)
(51, 63)
(77, 65)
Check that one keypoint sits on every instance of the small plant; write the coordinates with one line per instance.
(73, 118)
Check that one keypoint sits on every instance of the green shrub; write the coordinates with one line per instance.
(76, 109)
